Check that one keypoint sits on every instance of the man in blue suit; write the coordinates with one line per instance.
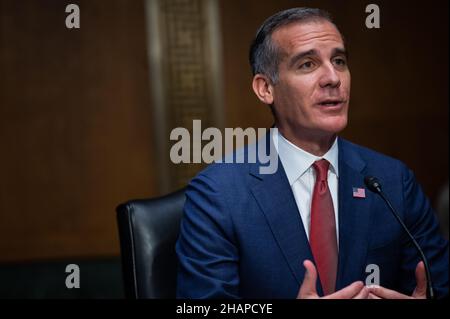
(310, 229)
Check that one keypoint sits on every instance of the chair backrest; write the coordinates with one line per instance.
(148, 230)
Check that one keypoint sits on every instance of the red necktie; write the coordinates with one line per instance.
(322, 237)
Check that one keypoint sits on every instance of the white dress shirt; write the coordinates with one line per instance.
(297, 164)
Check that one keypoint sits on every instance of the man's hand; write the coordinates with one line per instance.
(356, 290)
(377, 292)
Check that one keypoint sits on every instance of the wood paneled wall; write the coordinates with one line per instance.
(75, 134)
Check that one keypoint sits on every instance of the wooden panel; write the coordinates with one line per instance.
(75, 133)
(185, 76)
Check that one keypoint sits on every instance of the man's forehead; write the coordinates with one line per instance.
(294, 35)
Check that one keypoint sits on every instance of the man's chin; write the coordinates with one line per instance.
(335, 127)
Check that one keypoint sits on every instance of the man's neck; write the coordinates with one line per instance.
(315, 144)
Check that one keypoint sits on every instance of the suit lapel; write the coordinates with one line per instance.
(276, 200)
(354, 216)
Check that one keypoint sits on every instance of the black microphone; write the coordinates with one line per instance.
(374, 185)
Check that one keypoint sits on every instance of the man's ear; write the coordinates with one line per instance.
(263, 88)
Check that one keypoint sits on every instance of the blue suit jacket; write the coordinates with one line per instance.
(242, 235)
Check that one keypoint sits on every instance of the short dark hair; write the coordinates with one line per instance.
(264, 54)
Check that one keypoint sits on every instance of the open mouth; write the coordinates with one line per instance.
(331, 103)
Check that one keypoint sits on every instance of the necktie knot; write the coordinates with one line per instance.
(321, 168)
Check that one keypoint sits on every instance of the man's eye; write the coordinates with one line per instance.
(340, 62)
(306, 65)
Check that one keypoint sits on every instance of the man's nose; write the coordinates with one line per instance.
(330, 77)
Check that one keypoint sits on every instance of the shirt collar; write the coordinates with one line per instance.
(297, 161)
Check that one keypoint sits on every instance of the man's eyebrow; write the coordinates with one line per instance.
(340, 51)
(300, 56)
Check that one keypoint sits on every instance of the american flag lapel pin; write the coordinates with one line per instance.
(359, 192)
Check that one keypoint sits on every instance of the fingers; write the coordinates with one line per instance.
(419, 292)
(308, 287)
(363, 294)
(385, 293)
(421, 282)
(348, 292)
(372, 296)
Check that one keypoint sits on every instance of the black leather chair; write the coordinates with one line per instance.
(148, 230)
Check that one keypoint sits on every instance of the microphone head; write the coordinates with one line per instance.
(372, 183)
